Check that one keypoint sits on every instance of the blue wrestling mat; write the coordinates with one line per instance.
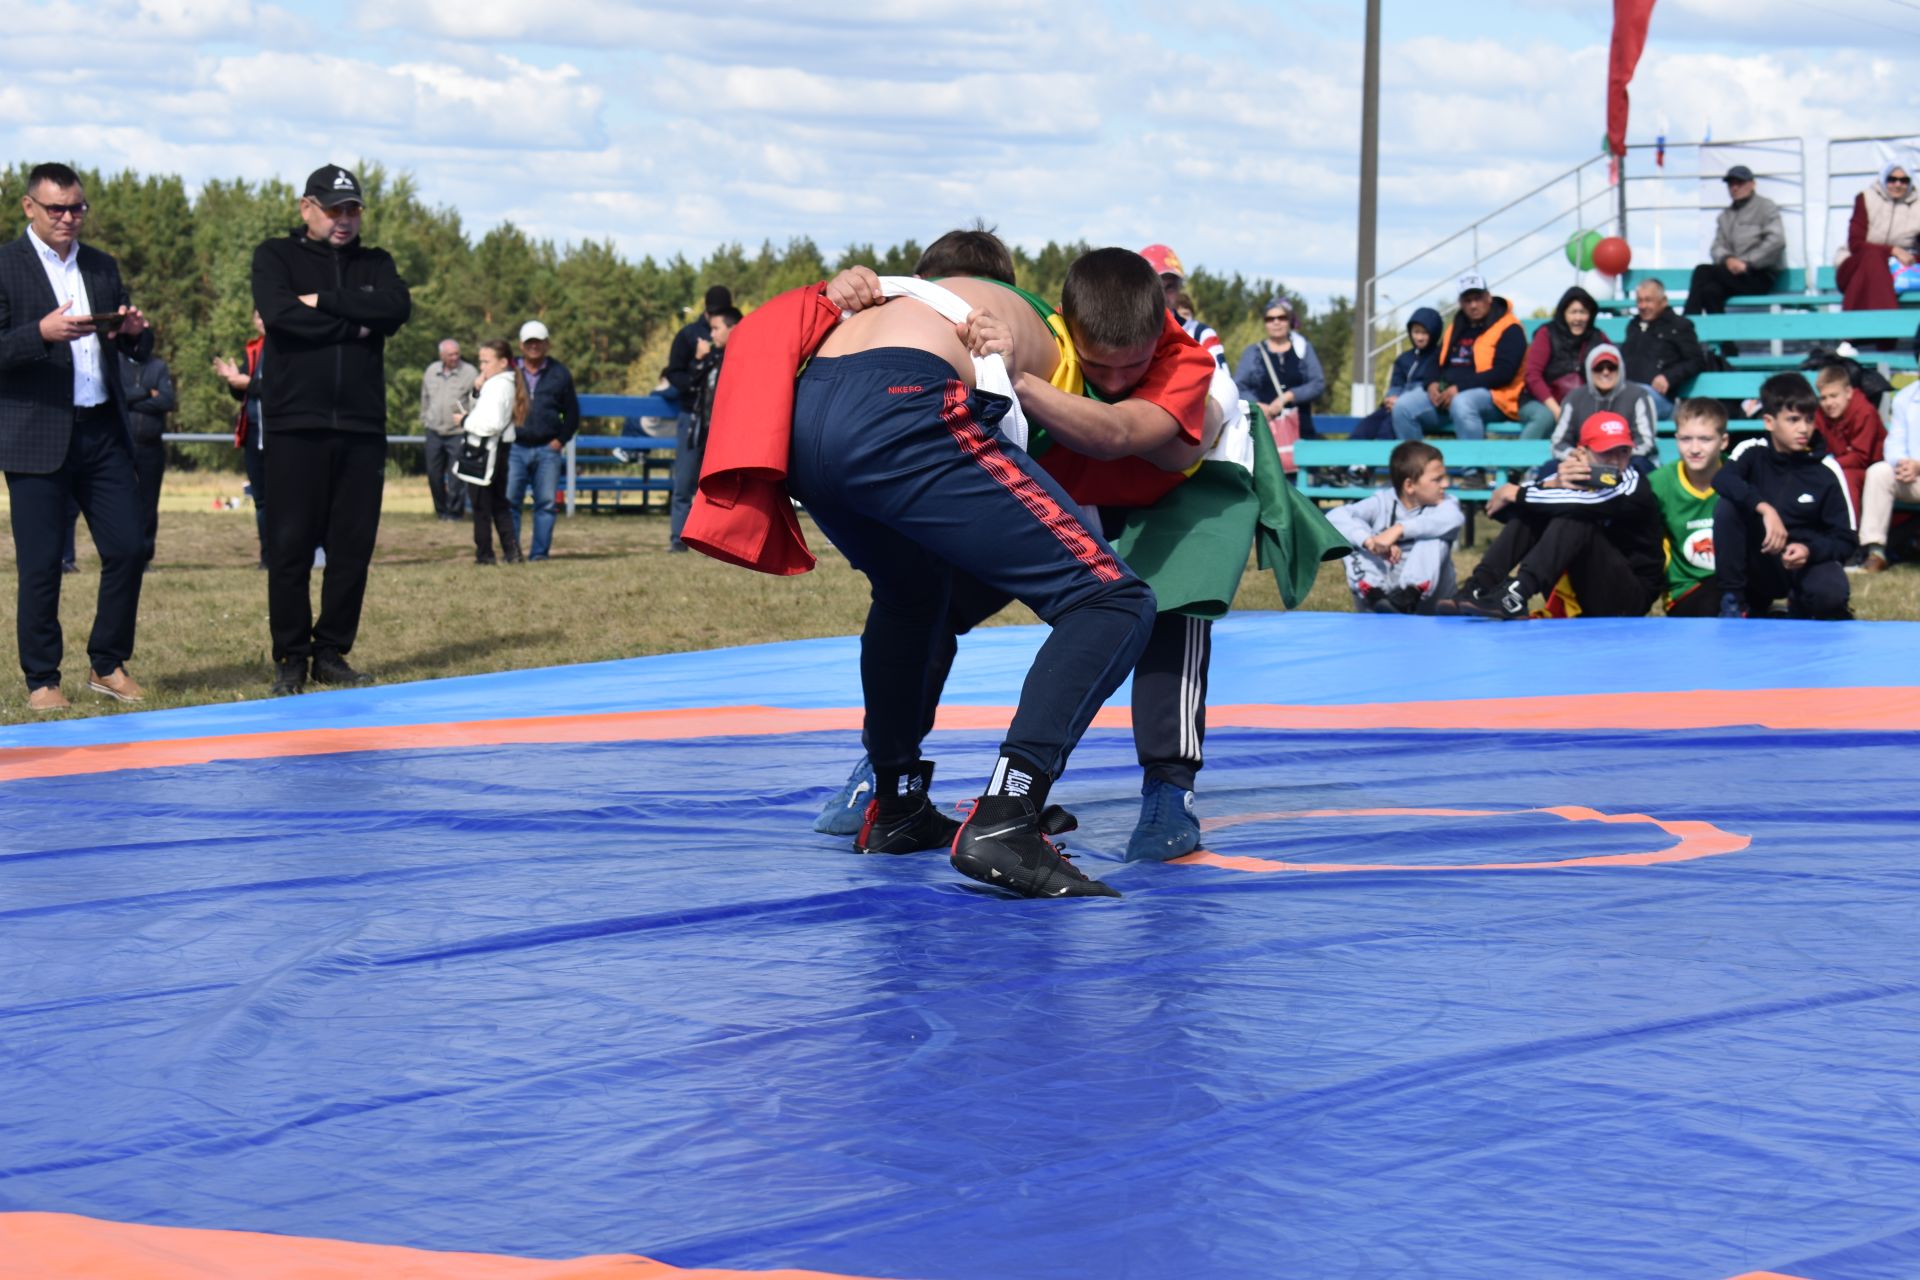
(1571, 949)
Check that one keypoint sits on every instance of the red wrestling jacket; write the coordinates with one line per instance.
(742, 513)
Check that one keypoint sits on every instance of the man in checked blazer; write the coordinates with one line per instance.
(64, 434)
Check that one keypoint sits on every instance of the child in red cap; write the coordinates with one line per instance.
(1596, 521)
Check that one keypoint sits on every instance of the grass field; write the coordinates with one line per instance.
(611, 590)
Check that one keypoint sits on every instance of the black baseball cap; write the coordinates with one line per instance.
(1739, 173)
(333, 186)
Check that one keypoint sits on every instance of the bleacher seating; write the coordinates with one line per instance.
(1790, 290)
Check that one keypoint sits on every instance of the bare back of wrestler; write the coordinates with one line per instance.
(1000, 323)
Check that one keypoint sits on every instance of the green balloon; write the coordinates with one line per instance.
(1580, 249)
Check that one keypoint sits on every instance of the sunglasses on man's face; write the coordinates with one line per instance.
(58, 211)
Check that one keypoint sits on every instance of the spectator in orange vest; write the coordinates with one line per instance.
(1482, 370)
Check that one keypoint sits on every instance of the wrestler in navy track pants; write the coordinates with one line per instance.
(905, 470)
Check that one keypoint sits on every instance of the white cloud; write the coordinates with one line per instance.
(1233, 135)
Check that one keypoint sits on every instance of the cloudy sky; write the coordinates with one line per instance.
(1229, 130)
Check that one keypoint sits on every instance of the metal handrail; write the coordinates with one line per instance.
(1386, 315)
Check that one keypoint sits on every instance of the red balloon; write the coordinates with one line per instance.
(1612, 256)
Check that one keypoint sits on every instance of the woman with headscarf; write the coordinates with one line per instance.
(1886, 224)
(1282, 370)
(1557, 360)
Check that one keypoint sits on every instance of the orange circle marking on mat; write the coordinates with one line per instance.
(1696, 840)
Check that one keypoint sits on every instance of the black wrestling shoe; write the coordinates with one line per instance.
(900, 817)
(1004, 843)
(331, 668)
(289, 677)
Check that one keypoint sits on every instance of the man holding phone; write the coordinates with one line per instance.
(1596, 522)
(64, 434)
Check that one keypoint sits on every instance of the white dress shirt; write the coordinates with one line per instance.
(89, 381)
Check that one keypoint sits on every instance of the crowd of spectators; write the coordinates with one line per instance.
(1602, 528)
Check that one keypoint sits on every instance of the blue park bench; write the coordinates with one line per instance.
(593, 468)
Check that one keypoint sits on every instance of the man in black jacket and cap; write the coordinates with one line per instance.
(329, 304)
(694, 342)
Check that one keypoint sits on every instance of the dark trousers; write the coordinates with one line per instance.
(1170, 698)
(98, 474)
(1713, 284)
(150, 468)
(1169, 682)
(257, 487)
(1537, 550)
(906, 472)
(491, 513)
(1812, 591)
(449, 492)
(326, 489)
(1703, 601)
(686, 474)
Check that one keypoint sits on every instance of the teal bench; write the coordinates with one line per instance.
(1790, 326)
(1501, 459)
(1790, 290)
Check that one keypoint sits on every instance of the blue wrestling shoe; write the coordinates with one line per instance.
(847, 812)
(1167, 827)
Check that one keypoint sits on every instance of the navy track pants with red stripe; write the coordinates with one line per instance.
(905, 470)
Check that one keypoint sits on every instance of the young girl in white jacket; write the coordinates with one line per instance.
(502, 405)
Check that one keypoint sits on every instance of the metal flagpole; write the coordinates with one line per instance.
(1369, 177)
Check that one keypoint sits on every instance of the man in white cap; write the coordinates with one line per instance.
(1482, 354)
(539, 447)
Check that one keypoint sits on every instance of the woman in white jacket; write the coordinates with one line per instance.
(501, 406)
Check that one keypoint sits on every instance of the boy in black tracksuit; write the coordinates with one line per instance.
(329, 304)
(1783, 525)
(1596, 521)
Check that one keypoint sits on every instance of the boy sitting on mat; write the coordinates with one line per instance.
(1403, 535)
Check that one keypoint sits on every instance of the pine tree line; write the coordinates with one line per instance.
(186, 258)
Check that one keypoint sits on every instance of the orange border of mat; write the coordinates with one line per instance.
(1895, 709)
(66, 1246)
(1697, 840)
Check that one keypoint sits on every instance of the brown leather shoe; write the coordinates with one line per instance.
(1874, 563)
(117, 685)
(48, 698)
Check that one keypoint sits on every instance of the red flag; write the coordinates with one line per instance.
(1630, 18)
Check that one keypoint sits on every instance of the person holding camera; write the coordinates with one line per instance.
(64, 434)
(1595, 521)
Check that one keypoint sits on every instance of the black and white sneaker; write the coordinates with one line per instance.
(1004, 843)
(901, 818)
